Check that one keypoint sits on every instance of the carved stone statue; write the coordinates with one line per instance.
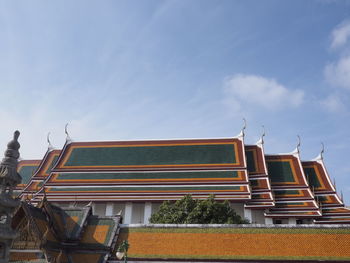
(9, 178)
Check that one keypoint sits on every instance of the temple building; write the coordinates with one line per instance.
(48, 233)
(134, 177)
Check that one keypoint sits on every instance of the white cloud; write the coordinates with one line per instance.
(333, 103)
(340, 35)
(338, 73)
(256, 90)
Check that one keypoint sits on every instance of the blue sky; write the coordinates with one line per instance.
(118, 70)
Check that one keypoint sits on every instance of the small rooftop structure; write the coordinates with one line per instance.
(48, 233)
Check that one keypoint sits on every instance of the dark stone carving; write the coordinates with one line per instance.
(9, 178)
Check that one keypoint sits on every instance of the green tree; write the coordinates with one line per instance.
(192, 211)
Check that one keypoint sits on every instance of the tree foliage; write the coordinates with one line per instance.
(193, 211)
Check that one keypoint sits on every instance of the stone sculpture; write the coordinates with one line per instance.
(9, 178)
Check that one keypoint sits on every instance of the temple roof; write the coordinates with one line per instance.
(152, 155)
(290, 187)
(169, 169)
(285, 171)
(42, 172)
(333, 210)
(318, 177)
(256, 164)
(150, 170)
(46, 164)
(259, 181)
(26, 169)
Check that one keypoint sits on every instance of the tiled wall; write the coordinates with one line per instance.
(253, 242)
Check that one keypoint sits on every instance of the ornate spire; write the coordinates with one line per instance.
(68, 138)
(8, 166)
(341, 196)
(9, 178)
(260, 142)
(242, 133)
(320, 156)
(50, 147)
(297, 149)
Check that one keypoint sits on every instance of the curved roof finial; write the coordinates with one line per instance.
(320, 156)
(50, 147)
(244, 125)
(299, 142)
(241, 134)
(341, 195)
(68, 139)
(261, 140)
(296, 150)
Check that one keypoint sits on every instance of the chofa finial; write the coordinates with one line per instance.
(244, 126)
(50, 147)
(260, 142)
(68, 139)
(296, 150)
(320, 156)
(299, 142)
(241, 134)
(341, 196)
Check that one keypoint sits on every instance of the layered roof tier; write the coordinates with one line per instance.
(293, 196)
(26, 169)
(40, 174)
(259, 181)
(150, 170)
(333, 208)
(157, 170)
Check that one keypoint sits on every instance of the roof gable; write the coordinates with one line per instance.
(47, 163)
(255, 160)
(42, 172)
(318, 176)
(285, 170)
(26, 169)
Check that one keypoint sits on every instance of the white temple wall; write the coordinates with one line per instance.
(128, 213)
(292, 221)
(119, 207)
(248, 214)
(109, 209)
(239, 208)
(137, 215)
(258, 217)
(147, 212)
(268, 221)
